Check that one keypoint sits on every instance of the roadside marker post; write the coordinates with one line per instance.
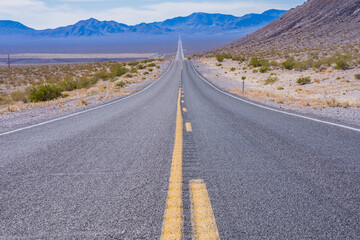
(9, 61)
(243, 85)
(107, 88)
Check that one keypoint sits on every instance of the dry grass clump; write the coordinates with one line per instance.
(92, 91)
(271, 80)
(303, 80)
(333, 102)
(83, 102)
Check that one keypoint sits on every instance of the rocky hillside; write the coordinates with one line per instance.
(316, 23)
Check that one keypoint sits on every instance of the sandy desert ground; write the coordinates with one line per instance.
(331, 93)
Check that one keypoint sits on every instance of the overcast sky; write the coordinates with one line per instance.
(41, 14)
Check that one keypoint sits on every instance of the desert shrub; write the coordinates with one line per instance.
(264, 69)
(150, 69)
(255, 70)
(271, 80)
(87, 82)
(120, 84)
(221, 57)
(341, 63)
(289, 63)
(357, 76)
(239, 58)
(140, 66)
(44, 92)
(218, 64)
(303, 80)
(304, 65)
(68, 84)
(148, 60)
(133, 70)
(258, 62)
(232, 69)
(102, 75)
(5, 100)
(158, 67)
(146, 73)
(18, 96)
(151, 65)
(334, 103)
(119, 70)
(133, 63)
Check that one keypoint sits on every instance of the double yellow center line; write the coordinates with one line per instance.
(172, 226)
(202, 217)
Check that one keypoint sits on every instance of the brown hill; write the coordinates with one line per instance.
(316, 23)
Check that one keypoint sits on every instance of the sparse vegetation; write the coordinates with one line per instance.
(258, 62)
(19, 96)
(240, 59)
(289, 64)
(271, 80)
(264, 69)
(341, 63)
(221, 57)
(232, 69)
(68, 84)
(44, 93)
(357, 76)
(303, 80)
(38, 83)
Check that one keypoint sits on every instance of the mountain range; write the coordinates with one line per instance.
(196, 23)
(314, 24)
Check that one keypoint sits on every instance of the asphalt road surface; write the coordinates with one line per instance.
(106, 173)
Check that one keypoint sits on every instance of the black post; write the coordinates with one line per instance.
(243, 87)
(9, 61)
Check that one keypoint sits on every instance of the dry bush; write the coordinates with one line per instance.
(19, 96)
(92, 91)
(333, 102)
(83, 102)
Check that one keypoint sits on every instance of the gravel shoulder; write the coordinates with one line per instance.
(59, 108)
(226, 82)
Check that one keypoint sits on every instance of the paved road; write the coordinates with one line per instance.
(104, 174)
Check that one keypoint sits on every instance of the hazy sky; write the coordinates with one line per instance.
(41, 14)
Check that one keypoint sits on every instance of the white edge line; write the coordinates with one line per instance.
(87, 110)
(273, 109)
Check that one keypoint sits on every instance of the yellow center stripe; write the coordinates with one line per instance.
(202, 216)
(188, 127)
(184, 110)
(172, 225)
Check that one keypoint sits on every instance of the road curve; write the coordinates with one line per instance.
(246, 172)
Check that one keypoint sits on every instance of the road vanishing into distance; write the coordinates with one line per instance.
(180, 160)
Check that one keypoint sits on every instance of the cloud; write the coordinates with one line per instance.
(37, 14)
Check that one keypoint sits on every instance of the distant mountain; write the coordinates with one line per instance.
(196, 23)
(11, 28)
(316, 23)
